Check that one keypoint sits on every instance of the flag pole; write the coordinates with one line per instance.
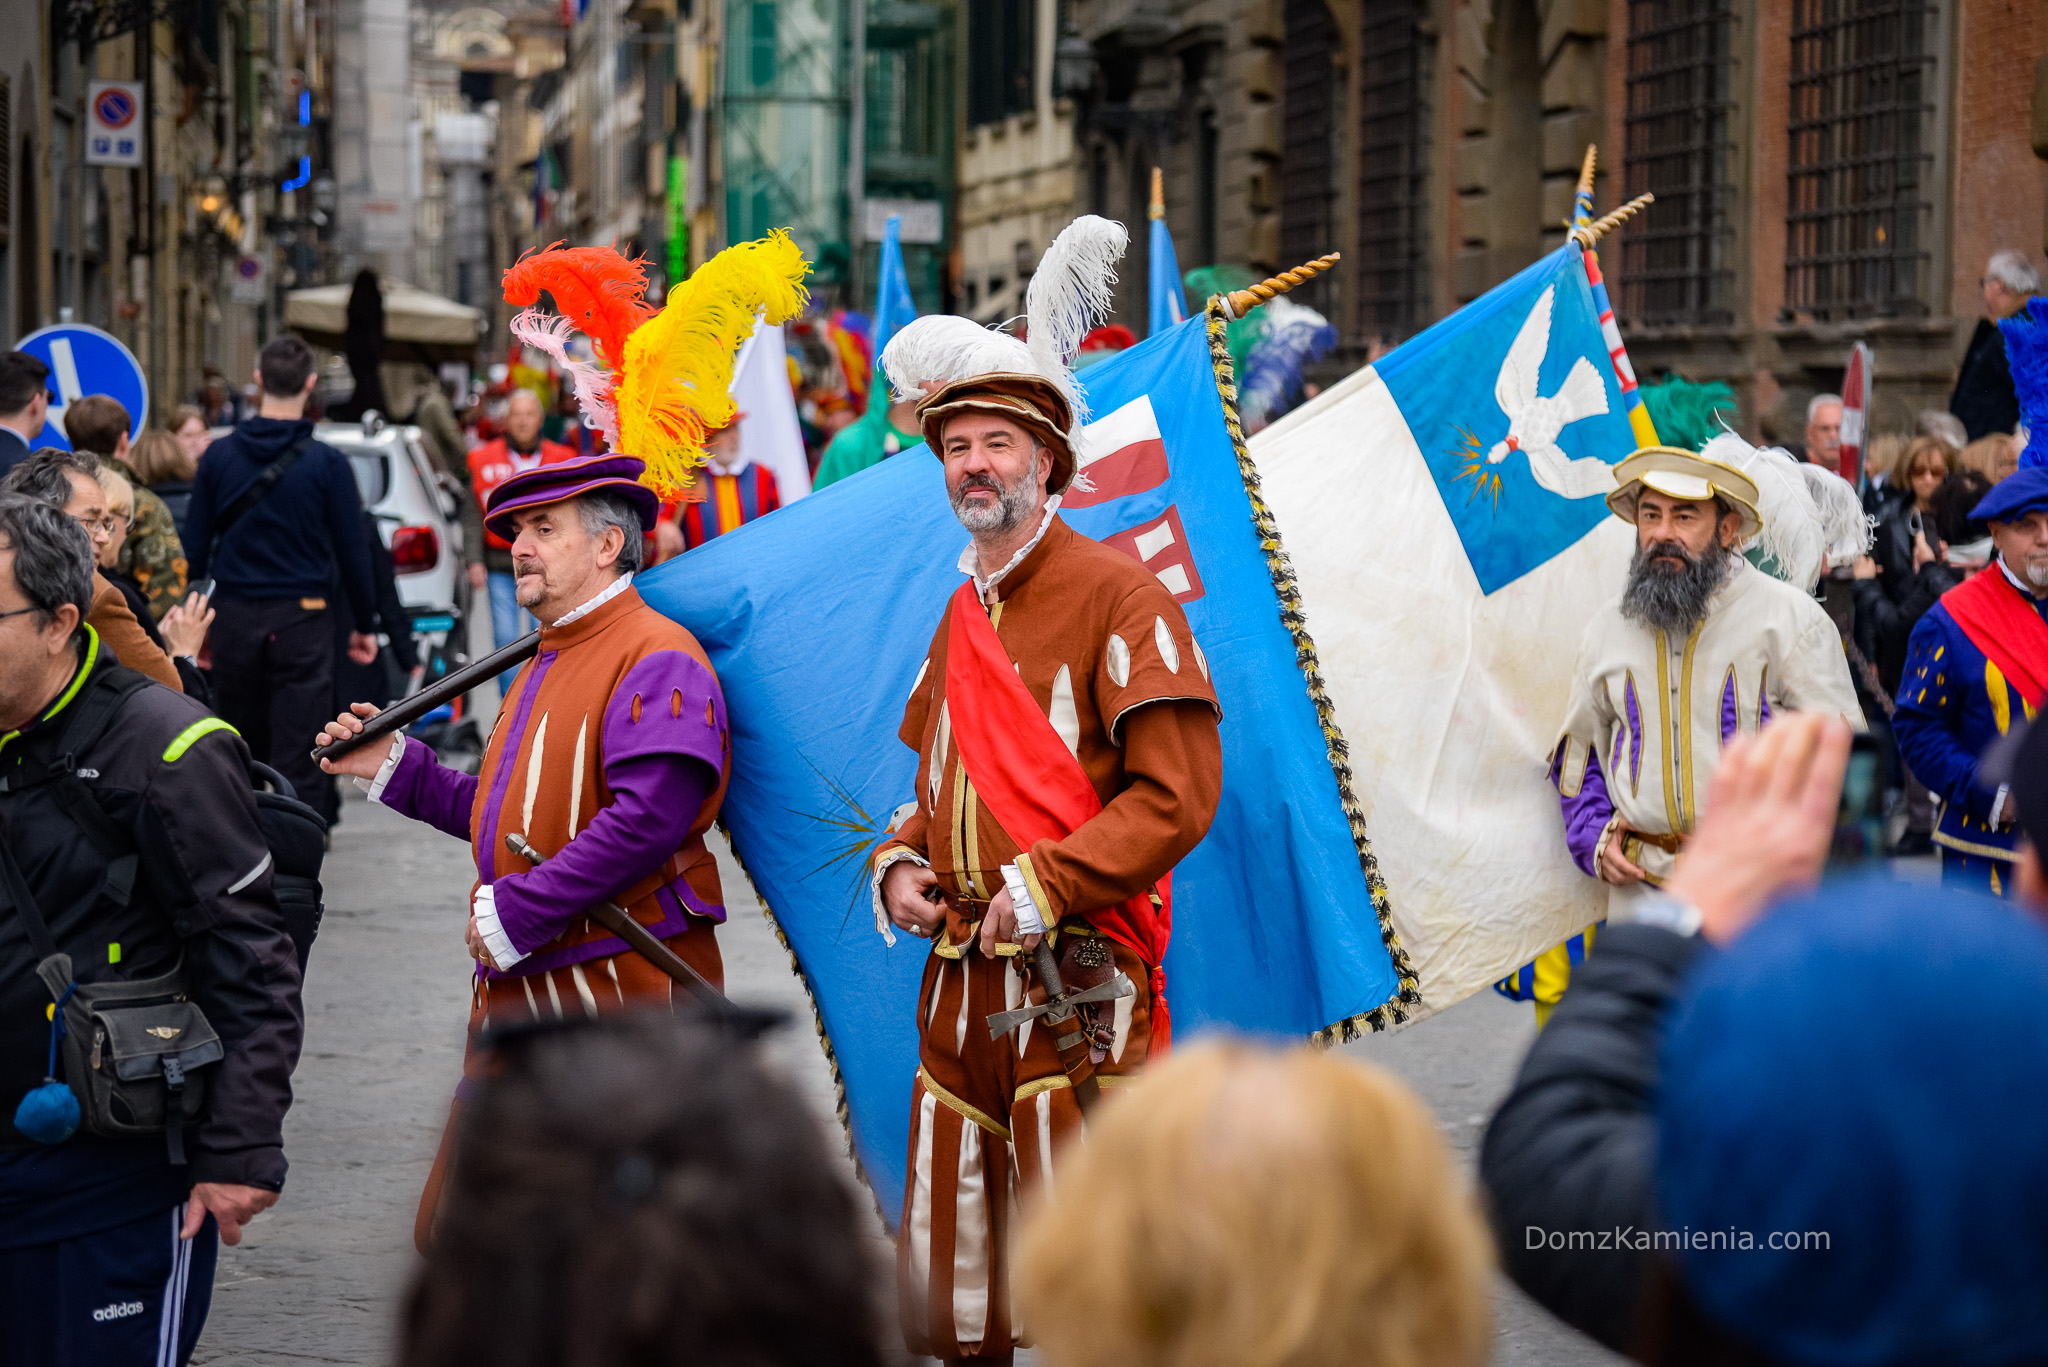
(1586, 231)
(1157, 209)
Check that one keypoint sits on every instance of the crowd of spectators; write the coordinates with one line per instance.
(1665, 1175)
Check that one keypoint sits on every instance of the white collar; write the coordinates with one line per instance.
(595, 601)
(984, 589)
(738, 466)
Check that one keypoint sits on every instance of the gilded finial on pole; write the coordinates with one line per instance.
(1587, 235)
(1238, 303)
(1582, 202)
(1158, 209)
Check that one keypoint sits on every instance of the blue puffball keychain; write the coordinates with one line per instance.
(49, 1114)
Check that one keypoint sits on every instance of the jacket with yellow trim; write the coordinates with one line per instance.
(1953, 703)
(174, 781)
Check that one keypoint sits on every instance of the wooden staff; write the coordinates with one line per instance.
(403, 714)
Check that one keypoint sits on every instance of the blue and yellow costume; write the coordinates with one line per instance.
(1955, 701)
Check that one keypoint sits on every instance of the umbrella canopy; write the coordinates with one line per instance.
(417, 325)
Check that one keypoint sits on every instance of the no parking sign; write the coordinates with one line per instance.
(83, 360)
(113, 123)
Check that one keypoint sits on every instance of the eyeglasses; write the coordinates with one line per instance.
(14, 612)
(106, 526)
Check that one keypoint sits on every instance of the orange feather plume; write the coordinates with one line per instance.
(599, 289)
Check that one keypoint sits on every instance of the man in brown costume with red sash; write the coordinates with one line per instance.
(609, 756)
(1068, 758)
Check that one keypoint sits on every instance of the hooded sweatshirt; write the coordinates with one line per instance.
(290, 543)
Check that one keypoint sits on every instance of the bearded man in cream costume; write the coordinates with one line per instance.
(1700, 647)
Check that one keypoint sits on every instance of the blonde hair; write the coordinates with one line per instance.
(156, 457)
(120, 493)
(1921, 447)
(1239, 1207)
(1986, 454)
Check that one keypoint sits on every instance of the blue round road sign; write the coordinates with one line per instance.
(83, 360)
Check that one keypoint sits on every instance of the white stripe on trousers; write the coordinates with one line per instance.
(171, 1324)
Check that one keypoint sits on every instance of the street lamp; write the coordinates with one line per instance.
(1073, 62)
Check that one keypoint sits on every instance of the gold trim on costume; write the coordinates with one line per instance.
(1688, 811)
(1972, 847)
(1664, 757)
(980, 1118)
(1058, 1080)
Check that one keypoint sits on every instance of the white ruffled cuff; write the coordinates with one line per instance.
(375, 787)
(485, 908)
(1600, 846)
(1029, 922)
(895, 856)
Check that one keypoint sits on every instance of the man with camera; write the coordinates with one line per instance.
(149, 994)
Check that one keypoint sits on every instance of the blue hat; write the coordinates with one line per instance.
(2022, 492)
(1867, 1068)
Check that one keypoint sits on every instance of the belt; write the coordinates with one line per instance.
(1670, 844)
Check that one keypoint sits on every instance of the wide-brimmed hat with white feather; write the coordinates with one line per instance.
(1799, 518)
(938, 361)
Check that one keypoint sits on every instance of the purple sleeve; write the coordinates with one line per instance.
(1586, 812)
(660, 767)
(425, 789)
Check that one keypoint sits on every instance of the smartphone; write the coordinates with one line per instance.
(1859, 815)
(202, 587)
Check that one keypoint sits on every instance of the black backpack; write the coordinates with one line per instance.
(294, 833)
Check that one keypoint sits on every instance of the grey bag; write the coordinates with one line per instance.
(134, 1053)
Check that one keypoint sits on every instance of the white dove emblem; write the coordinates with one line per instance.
(1534, 421)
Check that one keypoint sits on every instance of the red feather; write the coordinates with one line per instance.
(599, 289)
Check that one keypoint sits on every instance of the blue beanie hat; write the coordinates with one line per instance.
(1870, 1065)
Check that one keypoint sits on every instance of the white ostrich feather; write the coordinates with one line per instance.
(1070, 295)
(942, 347)
(549, 332)
(1792, 536)
(1843, 522)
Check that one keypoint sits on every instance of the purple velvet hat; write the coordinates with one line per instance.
(612, 473)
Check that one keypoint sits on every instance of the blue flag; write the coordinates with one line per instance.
(818, 618)
(1169, 305)
(893, 305)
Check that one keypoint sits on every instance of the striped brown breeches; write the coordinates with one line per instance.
(986, 1119)
(596, 987)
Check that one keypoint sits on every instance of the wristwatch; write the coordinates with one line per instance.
(1674, 914)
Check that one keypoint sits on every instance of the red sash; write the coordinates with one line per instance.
(2004, 624)
(1032, 783)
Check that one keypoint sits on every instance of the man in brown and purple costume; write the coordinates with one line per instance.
(1068, 758)
(609, 757)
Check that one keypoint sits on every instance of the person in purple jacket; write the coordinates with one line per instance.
(610, 758)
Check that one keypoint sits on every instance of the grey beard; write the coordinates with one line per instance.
(1674, 602)
(1012, 505)
(2037, 573)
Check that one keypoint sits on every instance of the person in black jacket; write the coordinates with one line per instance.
(1984, 397)
(107, 1245)
(1571, 1155)
(274, 558)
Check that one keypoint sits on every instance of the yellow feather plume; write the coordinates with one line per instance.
(674, 386)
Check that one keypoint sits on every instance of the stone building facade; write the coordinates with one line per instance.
(1826, 171)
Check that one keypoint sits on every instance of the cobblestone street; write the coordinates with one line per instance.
(321, 1277)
